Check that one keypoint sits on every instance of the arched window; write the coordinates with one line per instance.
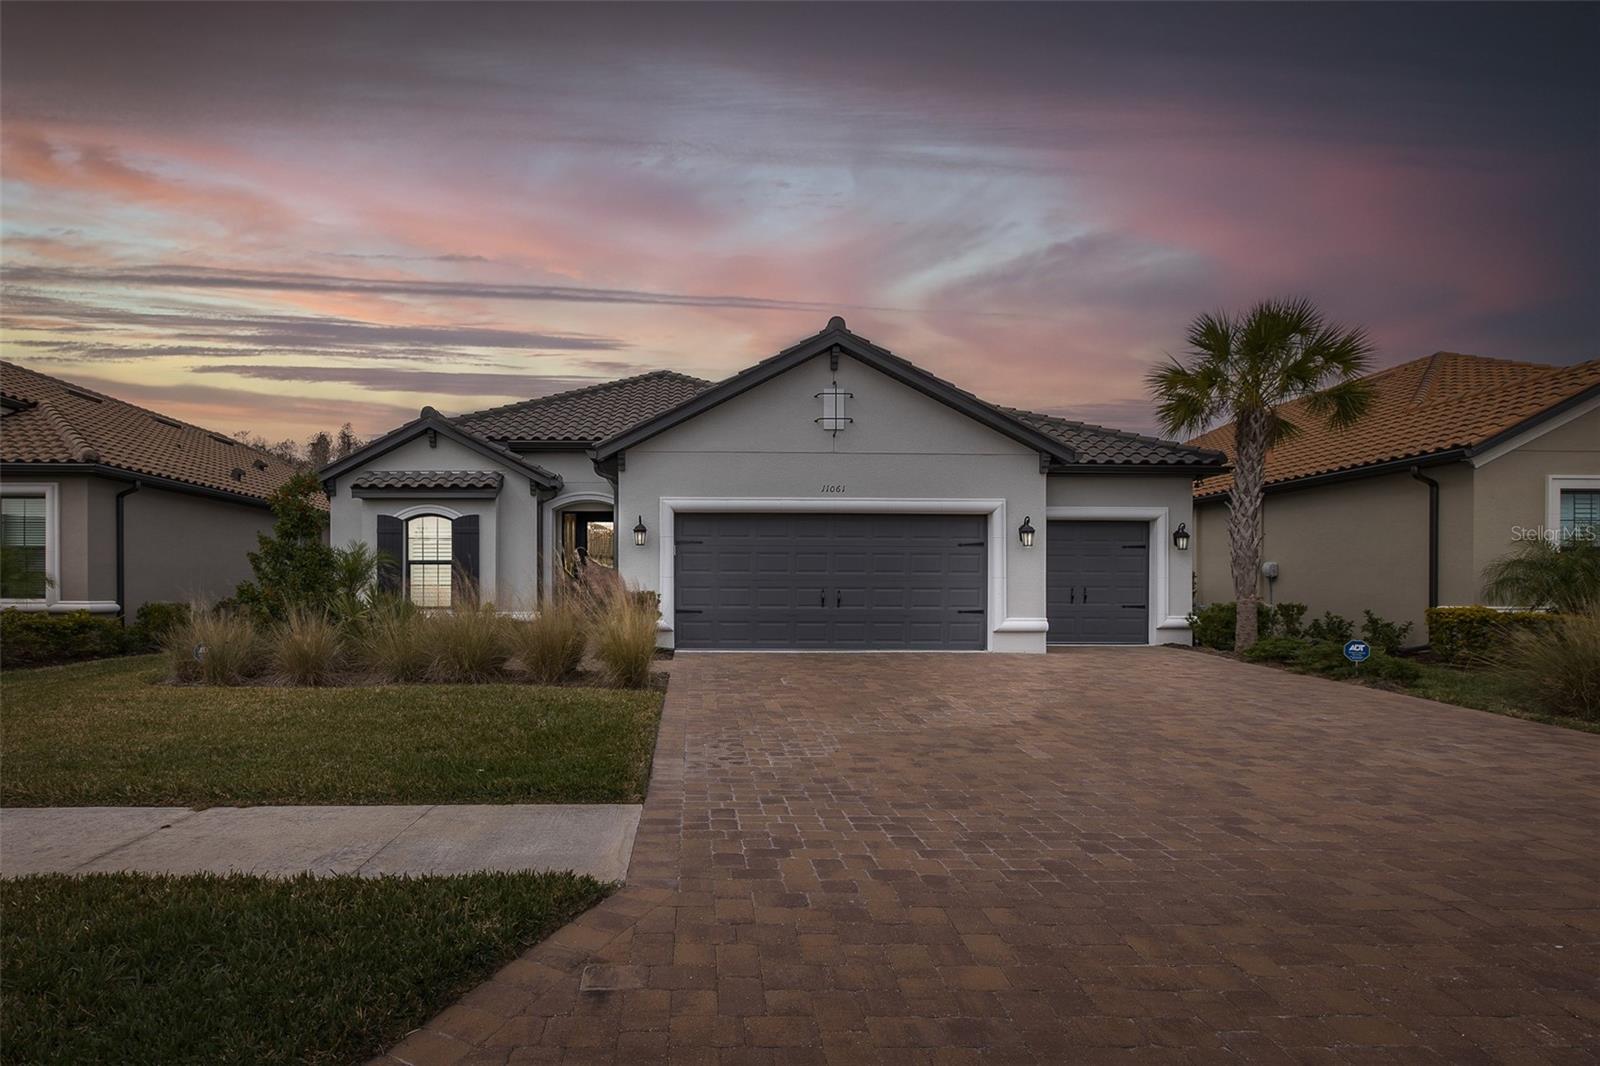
(429, 563)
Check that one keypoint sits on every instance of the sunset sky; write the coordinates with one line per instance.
(280, 218)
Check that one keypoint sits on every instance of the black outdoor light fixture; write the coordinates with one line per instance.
(639, 531)
(1180, 537)
(1025, 532)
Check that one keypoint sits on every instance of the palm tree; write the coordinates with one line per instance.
(1564, 577)
(1245, 369)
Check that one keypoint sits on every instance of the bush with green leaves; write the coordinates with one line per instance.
(1328, 660)
(1214, 624)
(1474, 635)
(292, 565)
(1288, 619)
(154, 620)
(1382, 634)
(1274, 650)
(1330, 628)
(214, 647)
(38, 638)
(1558, 665)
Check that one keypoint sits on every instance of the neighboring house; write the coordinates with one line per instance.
(105, 506)
(831, 496)
(1459, 457)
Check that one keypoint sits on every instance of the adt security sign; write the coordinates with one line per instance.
(1357, 651)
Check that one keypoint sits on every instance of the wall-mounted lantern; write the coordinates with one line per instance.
(833, 417)
(639, 532)
(1025, 532)
(1180, 537)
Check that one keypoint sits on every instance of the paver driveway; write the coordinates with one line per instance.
(1103, 854)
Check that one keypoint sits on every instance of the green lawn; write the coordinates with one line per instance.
(124, 968)
(1484, 690)
(110, 733)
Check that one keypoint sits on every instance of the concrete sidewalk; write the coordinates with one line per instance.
(594, 839)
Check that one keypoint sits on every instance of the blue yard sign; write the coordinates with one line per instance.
(1357, 651)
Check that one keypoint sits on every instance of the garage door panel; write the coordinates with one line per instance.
(1097, 582)
(846, 581)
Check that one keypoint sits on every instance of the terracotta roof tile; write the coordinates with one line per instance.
(584, 416)
(428, 479)
(48, 420)
(1099, 445)
(1429, 405)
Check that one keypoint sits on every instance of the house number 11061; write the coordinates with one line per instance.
(832, 488)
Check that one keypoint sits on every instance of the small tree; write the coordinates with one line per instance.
(293, 565)
(1245, 369)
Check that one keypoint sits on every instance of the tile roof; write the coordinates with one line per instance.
(428, 479)
(48, 420)
(1097, 445)
(584, 416)
(1433, 404)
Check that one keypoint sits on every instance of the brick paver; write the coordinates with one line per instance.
(1104, 854)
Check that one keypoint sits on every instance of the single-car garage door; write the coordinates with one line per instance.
(848, 581)
(1097, 582)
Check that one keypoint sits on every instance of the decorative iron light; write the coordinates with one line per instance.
(833, 417)
(1025, 532)
(1180, 537)
(639, 532)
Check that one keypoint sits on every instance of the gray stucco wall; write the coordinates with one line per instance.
(1135, 496)
(901, 446)
(181, 547)
(508, 543)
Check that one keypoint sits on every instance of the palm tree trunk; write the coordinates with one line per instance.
(1245, 521)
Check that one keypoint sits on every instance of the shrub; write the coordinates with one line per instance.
(1213, 624)
(306, 648)
(355, 584)
(154, 620)
(1330, 628)
(395, 643)
(1536, 573)
(550, 645)
(1470, 635)
(1383, 635)
(1558, 665)
(1288, 619)
(292, 566)
(469, 644)
(35, 638)
(1327, 659)
(1273, 650)
(625, 638)
(213, 647)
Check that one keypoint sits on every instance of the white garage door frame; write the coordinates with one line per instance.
(1158, 517)
(995, 510)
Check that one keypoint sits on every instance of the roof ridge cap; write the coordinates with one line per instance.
(75, 442)
(1426, 380)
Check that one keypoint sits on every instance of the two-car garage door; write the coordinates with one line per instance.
(848, 581)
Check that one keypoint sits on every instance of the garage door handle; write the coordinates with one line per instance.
(838, 599)
(970, 610)
(1086, 594)
(1133, 607)
(688, 610)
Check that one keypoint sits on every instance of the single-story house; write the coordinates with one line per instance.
(105, 506)
(1459, 457)
(831, 496)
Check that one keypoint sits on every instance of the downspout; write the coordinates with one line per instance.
(1433, 534)
(122, 603)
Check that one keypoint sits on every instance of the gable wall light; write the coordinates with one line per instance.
(1180, 537)
(639, 532)
(1025, 532)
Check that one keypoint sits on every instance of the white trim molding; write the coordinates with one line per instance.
(1160, 598)
(996, 538)
(422, 510)
(1553, 486)
(51, 491)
